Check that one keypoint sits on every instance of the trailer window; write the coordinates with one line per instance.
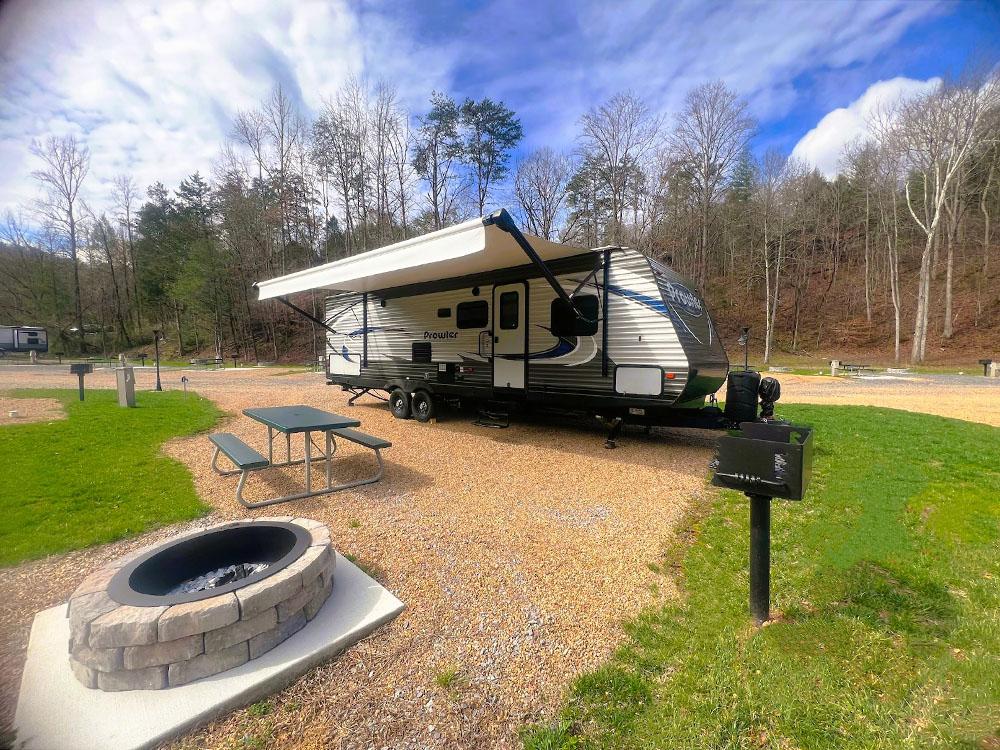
(444, 312)
(472, 314)
(565, 321)
(509, 309)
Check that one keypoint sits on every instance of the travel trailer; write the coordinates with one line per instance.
(23, 339)
(481, 313)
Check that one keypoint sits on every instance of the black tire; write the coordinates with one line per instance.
(399, 403)
(423, 406)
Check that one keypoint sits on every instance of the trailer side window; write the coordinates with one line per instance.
(421, 351)
(444, 312)
(566, 323)
(472, 314)
(509, 309)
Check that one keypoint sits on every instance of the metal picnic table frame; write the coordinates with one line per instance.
(291, 420)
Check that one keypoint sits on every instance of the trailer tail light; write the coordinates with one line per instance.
(466, 370)
(669, 375)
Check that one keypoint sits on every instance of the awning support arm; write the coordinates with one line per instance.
(304, 314)
(503, 220)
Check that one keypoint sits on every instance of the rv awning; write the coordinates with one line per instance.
(467, 248)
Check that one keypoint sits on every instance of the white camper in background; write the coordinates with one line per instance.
(479, 312)
(23, 339)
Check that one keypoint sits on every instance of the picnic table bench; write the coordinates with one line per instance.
(856, 368)
(291, 420)
(214, 361)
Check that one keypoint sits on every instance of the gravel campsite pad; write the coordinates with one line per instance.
(517, 552)
(29, 409)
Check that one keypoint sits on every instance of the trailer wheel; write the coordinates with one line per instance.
(399, 403)
(423, 406)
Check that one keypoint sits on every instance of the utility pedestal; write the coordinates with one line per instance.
(760, 557)
(126, 386)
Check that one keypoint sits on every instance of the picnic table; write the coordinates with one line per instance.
(293, 420)
(858, 369)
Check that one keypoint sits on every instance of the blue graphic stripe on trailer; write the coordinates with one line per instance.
(564, 347)
(653, 304)
(373, 329)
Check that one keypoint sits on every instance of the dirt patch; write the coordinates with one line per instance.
(29, 410)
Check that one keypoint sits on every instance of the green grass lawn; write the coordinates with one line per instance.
(98, 475)
(886, 580)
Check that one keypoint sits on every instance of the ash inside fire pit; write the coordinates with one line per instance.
(207, 564)
(220, 577)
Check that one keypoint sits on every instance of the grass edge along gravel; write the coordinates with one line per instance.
(97, 476)
(886, 591)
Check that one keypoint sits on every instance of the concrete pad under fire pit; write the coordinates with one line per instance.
(54, 711)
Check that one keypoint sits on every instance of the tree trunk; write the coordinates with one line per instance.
(981, 280)
(180, 332)
(868, 282)
(948, 330)
(76, 281)
(918, 346)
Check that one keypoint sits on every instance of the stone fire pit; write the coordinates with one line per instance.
(199, 604)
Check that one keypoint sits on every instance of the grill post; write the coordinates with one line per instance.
(760, 557)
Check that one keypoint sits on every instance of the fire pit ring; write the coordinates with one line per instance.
(153, 578)
(199, 604)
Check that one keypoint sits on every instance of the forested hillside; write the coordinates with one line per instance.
(895, 258)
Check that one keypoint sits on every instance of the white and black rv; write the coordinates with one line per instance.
(23, 339)
(480, 312)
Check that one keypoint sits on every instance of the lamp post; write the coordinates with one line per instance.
(157, 334)
(744, 341)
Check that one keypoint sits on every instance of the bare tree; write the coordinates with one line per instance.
(710, 134)
(617, 136)
(272, 133)
(65, 166)
(400, 140)
(991, 156)
(937, 135)
(540, 186)
(887, 198)
(859, 160)
(772, 221)
(125, 195)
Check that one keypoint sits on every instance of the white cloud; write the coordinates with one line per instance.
(823, 146)
(151, 87)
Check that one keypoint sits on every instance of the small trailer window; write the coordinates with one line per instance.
(421, 351)
(444, 312)
(472, 314)
(566, 323)
(509, 308)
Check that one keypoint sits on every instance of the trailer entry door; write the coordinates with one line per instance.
(509, 349)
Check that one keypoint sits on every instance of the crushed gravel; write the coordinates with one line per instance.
(517, 552)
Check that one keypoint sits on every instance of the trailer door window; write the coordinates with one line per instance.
(472, 314)
(509, 308)
(565, 322)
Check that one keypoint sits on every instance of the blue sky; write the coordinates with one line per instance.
(152, 86)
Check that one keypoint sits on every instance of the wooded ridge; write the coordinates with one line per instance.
(895, 252)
